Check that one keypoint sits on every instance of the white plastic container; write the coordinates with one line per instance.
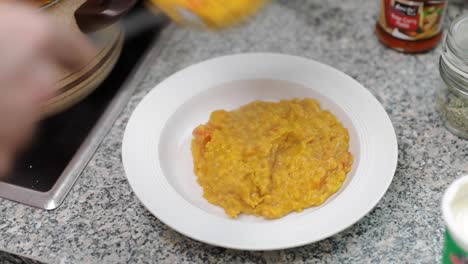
(455, 213)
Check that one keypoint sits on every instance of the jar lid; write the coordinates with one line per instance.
(456, 43)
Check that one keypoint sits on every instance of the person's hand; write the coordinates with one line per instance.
(31, 48)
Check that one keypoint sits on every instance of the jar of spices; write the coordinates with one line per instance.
(453, 91)
(411, 26)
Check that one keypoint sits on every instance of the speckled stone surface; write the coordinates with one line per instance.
(101, 221)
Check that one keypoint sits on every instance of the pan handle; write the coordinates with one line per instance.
(97, 14)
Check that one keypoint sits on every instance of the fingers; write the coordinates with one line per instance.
(32, 49)
(70, 49)
(18, 115)
(5, 163)
(46, 38)
(36, 87)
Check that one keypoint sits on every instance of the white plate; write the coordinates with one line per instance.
(158, 163)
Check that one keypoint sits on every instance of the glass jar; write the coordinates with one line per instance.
(453, 66)
(411, 26)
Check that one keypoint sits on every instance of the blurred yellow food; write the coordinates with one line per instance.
(209, 13)
(269, 159)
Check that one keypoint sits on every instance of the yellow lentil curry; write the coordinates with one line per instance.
(271, 158)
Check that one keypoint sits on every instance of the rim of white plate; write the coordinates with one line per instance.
(373, 176)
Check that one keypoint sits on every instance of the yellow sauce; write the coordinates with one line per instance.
(210, 13)
(269, 159)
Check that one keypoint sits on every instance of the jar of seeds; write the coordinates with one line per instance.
(453, 66)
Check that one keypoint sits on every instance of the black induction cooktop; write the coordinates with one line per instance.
(47, 169)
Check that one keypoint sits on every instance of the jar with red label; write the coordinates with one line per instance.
(411, 26)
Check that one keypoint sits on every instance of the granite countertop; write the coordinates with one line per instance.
(101, 220)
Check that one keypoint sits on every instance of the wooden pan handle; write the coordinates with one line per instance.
(97, 14)
(89, 15)
(63, 12)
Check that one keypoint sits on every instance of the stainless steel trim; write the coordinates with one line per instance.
(53, 198)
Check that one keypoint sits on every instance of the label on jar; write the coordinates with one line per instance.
(412, 20)
(453, 253)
